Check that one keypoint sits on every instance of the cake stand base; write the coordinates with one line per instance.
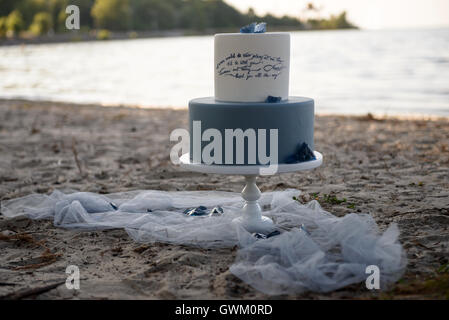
(251, 219)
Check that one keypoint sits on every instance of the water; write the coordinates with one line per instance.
(347, 72)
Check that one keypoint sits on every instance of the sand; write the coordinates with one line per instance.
(395, 169)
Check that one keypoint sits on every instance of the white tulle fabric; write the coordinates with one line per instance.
(328, 254)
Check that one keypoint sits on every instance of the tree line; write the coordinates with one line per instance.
(39, 17)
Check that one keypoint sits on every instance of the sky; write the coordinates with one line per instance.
(368, 14)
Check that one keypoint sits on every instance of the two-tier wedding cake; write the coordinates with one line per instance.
(251, 120)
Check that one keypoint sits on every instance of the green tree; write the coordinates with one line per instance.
(54, 8)
(341, 22)
(3, 27)
(153, 14)
(29, 8)
(222, 15)
(193, 15)
(251, 16)
(123, 15)
(42, 23)
(6, 6)
(111, 14)
(14, 22)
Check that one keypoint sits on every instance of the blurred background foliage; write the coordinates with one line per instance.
(46, 17)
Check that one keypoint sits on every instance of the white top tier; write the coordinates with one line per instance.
(249, 67)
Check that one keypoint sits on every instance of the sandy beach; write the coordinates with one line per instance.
(395, 169)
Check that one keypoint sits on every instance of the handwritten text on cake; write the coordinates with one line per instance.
(250, 65)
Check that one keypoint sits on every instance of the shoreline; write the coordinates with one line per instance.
(77, 37)
(370, 115)
(395, 170)
(73, 37)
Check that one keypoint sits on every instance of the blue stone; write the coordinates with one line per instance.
(198, 211)
(274, 233)
(217, 211)
(254, 28)
(271, 99)
(263, 236)
(303, 228)
(259, 235)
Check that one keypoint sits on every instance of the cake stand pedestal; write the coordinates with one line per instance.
(251, 219)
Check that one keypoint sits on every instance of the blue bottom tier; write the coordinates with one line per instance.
(215, 138)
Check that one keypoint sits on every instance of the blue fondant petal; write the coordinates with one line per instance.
(260, 27)
(271, 99)
(254, 28)
(302, 154)
(248, 29)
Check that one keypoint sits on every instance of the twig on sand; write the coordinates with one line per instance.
(25, 293)
(24, 237)
(47, 257)
(7, 284)
(75, 155)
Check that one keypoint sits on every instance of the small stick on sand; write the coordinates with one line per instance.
(75, 155)
(22, 294)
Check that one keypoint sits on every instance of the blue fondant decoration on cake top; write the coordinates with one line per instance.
(271, 99)
(254, 28)
(302, 154)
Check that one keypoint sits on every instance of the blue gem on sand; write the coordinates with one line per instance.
(254, 28)
(274, 233)
(263, 236)
(202, 211)
(198, 211)
(303, 228)
(215, 212)
(259, 236)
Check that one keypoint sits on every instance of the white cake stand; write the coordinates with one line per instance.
(251, 219)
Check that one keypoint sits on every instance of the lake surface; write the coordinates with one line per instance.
(347, 72)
